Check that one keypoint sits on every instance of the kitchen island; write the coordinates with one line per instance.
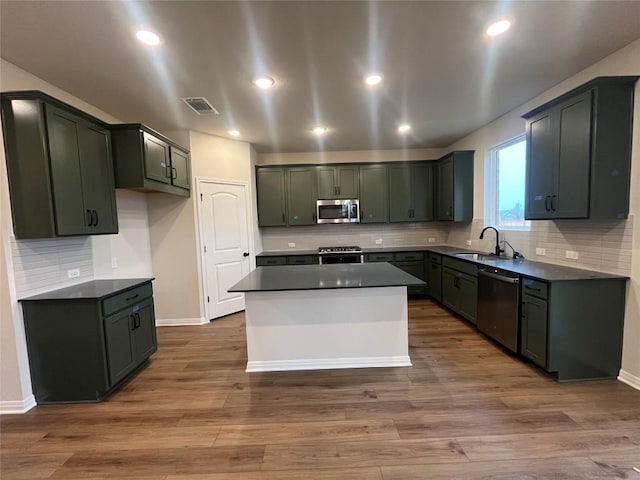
(309, 317)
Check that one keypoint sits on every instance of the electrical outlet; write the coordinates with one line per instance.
(571, 254)
(114, 262)
(468, 242)
(73, 273)
(292, 244)
(378, 241)
(541, 251)
(431, 240)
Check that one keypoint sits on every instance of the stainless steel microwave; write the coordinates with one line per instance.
(338, 211)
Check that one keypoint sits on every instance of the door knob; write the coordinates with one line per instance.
(245, 254)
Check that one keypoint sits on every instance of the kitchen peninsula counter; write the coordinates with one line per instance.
(312, 317)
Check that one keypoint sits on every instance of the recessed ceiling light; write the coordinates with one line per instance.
(319, 130)
(234, 133)
(148, 37)
(263, 82)
(498, 28)
(373, 79)
(404, 128)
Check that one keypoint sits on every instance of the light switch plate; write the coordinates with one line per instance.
(541, 251)
(114, 262)
(292, 244)
(468, 242)
(378, 241)
(571, 255)
(431, 240)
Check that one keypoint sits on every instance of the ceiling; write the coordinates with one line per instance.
(441, 73)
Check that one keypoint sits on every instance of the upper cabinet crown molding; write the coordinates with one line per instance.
(59, 166)
(148, 161)
(579, 152)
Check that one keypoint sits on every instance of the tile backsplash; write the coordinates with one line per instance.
(602, 245)
(42, 265)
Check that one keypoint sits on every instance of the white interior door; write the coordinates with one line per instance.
(226, 244)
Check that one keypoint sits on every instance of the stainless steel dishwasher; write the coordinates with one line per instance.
(498, 306)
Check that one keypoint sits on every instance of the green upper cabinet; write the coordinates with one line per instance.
(301, 198)
(374, 194)
(579, 152)
(455, 187)
(271, 197)
(337, 182)
(411, 192)
(59, 166)
(146, 160)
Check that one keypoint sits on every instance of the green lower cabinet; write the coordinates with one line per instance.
(434, 274)
(533, 340)
(415, 268)
(460, 291)
(120, 352)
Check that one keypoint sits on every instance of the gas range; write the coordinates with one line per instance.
(340, 255)
(326, 250)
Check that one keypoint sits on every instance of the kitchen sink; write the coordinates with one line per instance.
(481, 256)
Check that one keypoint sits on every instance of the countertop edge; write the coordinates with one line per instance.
(43, 296)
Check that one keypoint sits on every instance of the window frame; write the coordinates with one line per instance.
(491, 185)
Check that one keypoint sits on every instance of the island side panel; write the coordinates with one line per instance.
(322, 329)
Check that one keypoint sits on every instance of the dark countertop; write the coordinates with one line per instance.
(95, 289)
(320, 277)
(538, 270)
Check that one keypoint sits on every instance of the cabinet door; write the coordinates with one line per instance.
(180, 168)
(533, 342)
(574, 147)
(422, 189)
(301, 202)
(445, 190)
(399, 193)
(347, 181)
(435, 280)
(542, 166)
(120, 348)
(97, 179)
(156, 159)
(468, 306)
(417, 270)
(326, 183)
(144, 332)
(271, 197)
(450, 290)
(66, 179)
(374, 196)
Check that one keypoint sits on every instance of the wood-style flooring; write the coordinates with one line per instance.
(465, 410)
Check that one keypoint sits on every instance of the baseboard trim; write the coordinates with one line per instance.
(629, 379)
(11, 407)
(327, 363)
(180, 322)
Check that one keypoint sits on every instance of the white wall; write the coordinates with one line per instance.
(33, 266)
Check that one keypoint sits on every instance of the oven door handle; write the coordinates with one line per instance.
(499, 277)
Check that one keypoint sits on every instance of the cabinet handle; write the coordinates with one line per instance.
(167, 172)
(531, 288)
(89, 218)
(283, 218)
(94, 214)
(138, 321)
(546, 203)
(174, 171)
(132, 318)
(128, 299)
(553, 201)
(338, 189)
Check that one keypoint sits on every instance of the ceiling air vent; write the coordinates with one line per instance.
(200, 105)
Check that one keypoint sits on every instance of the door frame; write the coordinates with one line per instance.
(204, 281)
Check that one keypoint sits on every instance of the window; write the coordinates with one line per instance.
(507, 176)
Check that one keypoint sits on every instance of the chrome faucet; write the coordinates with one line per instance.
(498, 250)
(516, 255)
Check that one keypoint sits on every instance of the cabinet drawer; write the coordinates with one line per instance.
(409, 256)
(435, 259)
(535, 288)
(266, 261)
(379, 257)
(302, 260)
(461, 266)
(125, 299)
